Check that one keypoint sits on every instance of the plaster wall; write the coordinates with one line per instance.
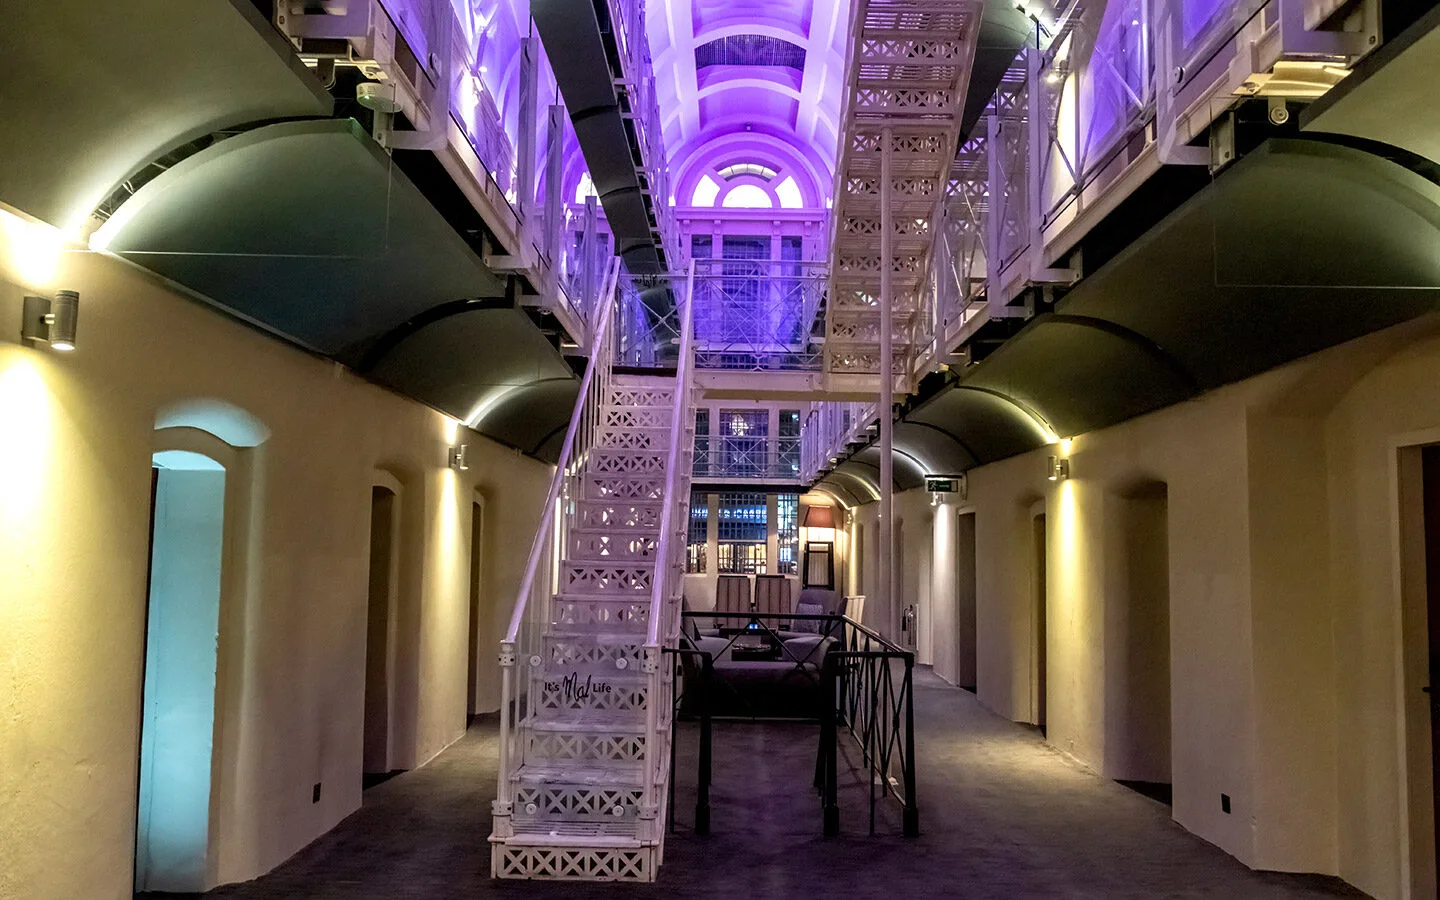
(76, 436)
(1296, 631)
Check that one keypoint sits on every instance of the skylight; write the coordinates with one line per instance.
(750, 50)
(585, 189)
(739, 169)
(747, 196)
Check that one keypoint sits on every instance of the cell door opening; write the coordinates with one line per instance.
(1430, 492)
(1037, 600)
(966, 632)
(380, 639)
(182, 622)
(477, 523)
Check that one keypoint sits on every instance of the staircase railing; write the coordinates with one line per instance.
(669, 580)
(523, 636)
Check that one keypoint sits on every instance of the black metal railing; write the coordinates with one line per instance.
(864, 682)
(877, 707)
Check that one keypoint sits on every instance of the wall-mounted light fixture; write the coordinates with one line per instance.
(52, 321)
(1059, 468)
(457, 457)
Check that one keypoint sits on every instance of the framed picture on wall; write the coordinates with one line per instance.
(819, 565)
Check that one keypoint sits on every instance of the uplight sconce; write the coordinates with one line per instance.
(457, 457)
(51, 321)
(1059, 468)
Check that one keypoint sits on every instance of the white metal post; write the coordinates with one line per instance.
(887, 389)
(525, 163)
(554, 193)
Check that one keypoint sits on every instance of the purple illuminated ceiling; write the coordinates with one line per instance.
(767, 90)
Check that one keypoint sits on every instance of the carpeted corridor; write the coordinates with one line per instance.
(1001, 815)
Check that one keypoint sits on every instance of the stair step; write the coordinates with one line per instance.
(610, 775)
(600, 546)
(607, 515)
(607, 579)
(645, 486)
(635, 438)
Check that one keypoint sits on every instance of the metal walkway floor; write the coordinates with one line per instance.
(1001, 815)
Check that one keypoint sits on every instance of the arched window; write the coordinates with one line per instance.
(764, 173)
(705, 192)
(789, 193)
(748, 196)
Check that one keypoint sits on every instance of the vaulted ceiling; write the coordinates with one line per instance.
(773, 71)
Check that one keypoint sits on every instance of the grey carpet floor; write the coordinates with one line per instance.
(1002, 815)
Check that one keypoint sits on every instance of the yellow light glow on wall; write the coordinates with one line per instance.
(31, 250)
(26, 448)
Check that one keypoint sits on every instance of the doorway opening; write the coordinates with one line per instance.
(379, 639)
(182, 629)
(1038, 561)
(1137, 657)
(966, 631)
(477, 525)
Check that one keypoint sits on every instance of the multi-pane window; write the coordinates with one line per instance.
(696, 536)
(702, 442)
(741, 531)
(744, 434)
(789, 443)
(702, 246)
(787, 533)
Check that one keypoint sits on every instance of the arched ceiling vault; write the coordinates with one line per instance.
(1301, 245)
(742, 95)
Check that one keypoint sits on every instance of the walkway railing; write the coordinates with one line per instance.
(865, 683)
(541, 580)
(669, 580)
(876, 704)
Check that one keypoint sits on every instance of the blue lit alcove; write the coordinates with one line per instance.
(182, 627)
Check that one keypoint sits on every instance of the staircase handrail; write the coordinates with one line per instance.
(599, 359)
(684, 369)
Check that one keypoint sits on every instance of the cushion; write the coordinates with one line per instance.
(808, 626)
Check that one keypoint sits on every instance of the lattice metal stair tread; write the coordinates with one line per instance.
(597, 841)
(610, 774)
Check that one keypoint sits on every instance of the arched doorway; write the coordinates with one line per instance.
(380, 631)
(182, 638)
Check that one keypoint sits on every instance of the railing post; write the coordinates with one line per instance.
(912, 812)
(503, 805)
(702, 797)
(830, 792)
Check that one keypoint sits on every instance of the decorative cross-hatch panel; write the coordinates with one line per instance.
(591, 545)
(620, 614)
(615, 462)
(572, 694)
(569, 802)
(582, 578)
(550, 745)
(625, 487)
(576, 863)
(575, 652)
(636, 417)
(618, 515)
(641, 397)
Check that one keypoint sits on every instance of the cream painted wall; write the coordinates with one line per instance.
(1296, 637)
(76, 437)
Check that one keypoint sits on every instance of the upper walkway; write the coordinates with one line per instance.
(1003, 815)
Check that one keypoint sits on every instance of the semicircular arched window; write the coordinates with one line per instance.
(748, 196)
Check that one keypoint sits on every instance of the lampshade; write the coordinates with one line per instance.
(819, 517)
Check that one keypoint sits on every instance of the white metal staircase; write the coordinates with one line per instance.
(585, 721)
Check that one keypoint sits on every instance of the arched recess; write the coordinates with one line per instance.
(201, 553)
(391, 686)
(1137, 636)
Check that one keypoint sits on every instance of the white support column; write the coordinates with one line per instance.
(886, 556)
(591, 261)
(525, 158)
(554, 191)
(994, 285)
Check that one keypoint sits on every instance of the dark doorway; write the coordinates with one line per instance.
(477, 523)
(1430, 477)
(379, 646)
(1137, 629)
(1037, 582)
(966, 630)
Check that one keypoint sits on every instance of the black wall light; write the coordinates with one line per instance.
(52, 321)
